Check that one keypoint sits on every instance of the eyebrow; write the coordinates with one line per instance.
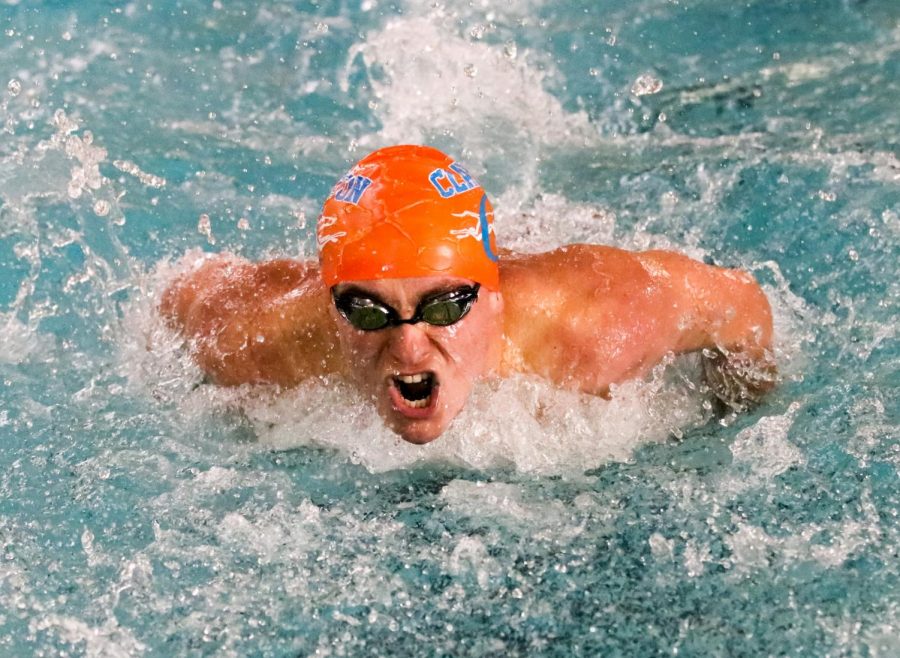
(434, 292)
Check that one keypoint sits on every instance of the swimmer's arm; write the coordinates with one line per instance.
(725, 315)
(252, 323)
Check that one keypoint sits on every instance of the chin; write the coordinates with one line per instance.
(419, 433)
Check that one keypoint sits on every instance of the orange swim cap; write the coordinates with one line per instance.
(407, 211)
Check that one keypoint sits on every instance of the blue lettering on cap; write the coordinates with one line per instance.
(450, 183)
(351, 188)
(468, 182)
(438, 177)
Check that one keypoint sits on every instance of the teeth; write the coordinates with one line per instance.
(412, 379)
(417, 378)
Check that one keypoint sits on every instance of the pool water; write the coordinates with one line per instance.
(143, 512)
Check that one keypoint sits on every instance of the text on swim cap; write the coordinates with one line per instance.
(351, 187)
(452, 181)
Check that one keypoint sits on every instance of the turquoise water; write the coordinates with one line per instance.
(143, 513)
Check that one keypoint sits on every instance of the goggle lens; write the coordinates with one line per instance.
(443, 313)
(441, 310)
(367, 318)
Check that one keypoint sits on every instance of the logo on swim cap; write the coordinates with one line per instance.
(403, 212)
(449, 185)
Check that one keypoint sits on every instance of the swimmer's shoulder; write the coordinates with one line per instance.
(250, 323)
(571, 266)
(283, 275)
(214, 285)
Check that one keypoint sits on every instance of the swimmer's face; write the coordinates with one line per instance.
(420, 375)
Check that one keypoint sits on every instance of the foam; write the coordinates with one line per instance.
(753, 548)
(493, 504)
(19, 341)
(108, 639)
(761, 452)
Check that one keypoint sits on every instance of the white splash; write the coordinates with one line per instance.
(522, 423)
(19, 341)
(762, 452)
(426, 91)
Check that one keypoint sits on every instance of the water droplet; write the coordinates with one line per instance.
(14, 87)
(204, 227)
(509, 49)
(470, 70)
(646, 84)
(101, 208)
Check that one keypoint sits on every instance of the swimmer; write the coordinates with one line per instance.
(412, 302)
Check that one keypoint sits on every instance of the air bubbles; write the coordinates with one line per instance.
(322, 28)
(825, 195)
(14, 87)
(593, 72)
(646, 85)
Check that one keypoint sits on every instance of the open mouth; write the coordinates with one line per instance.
(416, 391)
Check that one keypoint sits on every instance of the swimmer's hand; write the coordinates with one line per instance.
(739, 380)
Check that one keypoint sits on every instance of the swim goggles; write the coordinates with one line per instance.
(440, 310)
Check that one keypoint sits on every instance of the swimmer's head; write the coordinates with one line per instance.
(406, 237)
(406, 212)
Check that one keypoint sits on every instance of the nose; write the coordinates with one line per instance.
(408, 344)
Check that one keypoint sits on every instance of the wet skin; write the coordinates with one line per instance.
(585, 317)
